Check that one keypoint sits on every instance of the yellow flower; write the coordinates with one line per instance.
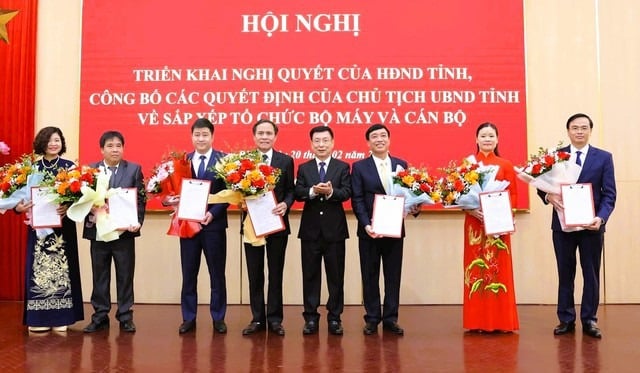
(408, 180)
(472, 177)
(245, 183)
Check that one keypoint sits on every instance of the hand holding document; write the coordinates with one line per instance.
(578, 204)
(497, 213)
(44, 212)
(194, 196)
(123, 208)
(260, 212)
(388, 214)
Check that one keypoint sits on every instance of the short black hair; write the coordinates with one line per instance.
(108, 135)
(579, 115)
(41, 141)
(255, 126)
(319, 129)
(202, 123)
(376, 127)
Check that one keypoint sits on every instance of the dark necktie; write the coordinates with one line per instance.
(322, 172)
(578, 160)
(265, 158)
(112, 179)
(200, 173)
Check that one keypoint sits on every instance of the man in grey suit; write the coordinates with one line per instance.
(323, 184)
(123, 174)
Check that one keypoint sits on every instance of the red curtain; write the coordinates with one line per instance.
(17, 112)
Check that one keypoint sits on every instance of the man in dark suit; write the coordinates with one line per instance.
(210, 240)
(264, 135)
(123, 174)
(597, 169)
(369, 177)
(323, 184)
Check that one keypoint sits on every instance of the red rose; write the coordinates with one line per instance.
(258, 183)
(549, 160)
(266, 170)
(234, 178)
(5, 187)
(75, 186)
(458, 185)
(535, 170)
(563, 155)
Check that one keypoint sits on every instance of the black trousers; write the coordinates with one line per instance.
(333, 253)
(123, 255)
(275, 251)
(372, 253)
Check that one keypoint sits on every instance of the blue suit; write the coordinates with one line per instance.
(366, 184)
(597, 169)
(212, 240)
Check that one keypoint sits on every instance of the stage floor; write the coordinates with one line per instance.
(434, 341)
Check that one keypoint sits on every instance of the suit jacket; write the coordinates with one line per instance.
(597, 169)
(128, 175)
(323, 217)
(366, 183)
(218, 210)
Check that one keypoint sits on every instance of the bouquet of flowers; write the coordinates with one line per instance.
(462, 184)
(85, 187)
(16, 180)
(67, 185)
(246, 176)
(4, 148)
(246, 173)
(166, 177)
(548, 170)
(166, 180)
(415, 185)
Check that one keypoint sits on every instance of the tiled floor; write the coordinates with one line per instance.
(433, 342)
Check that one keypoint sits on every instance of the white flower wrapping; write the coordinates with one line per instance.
(471, 199)
(105, 226)
(551, 181)
(22, 194)
(410, 198)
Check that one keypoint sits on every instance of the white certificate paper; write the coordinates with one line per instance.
(123, 207)
(260, 212)
(496, 212)
(578, 204)
(388, 214)
(194, 197)
(43, 212)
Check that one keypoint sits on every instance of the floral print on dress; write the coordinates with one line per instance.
(51, 284)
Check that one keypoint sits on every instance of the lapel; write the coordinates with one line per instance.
(331, 170)
(375, 175)
(117, 178)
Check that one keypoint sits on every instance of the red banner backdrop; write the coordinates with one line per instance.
(17, 112)
(430, 70)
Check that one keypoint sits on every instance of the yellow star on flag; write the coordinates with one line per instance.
(5, 17)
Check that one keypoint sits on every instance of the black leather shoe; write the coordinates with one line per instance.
(187, 326)
(564, 328)
(310, 327)
(370, 328)
(128, 326)
(276, 328)
(253, 327)
(335, 327)
(95, 326)
(393, 327)
(220, 327)
(591, 329)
